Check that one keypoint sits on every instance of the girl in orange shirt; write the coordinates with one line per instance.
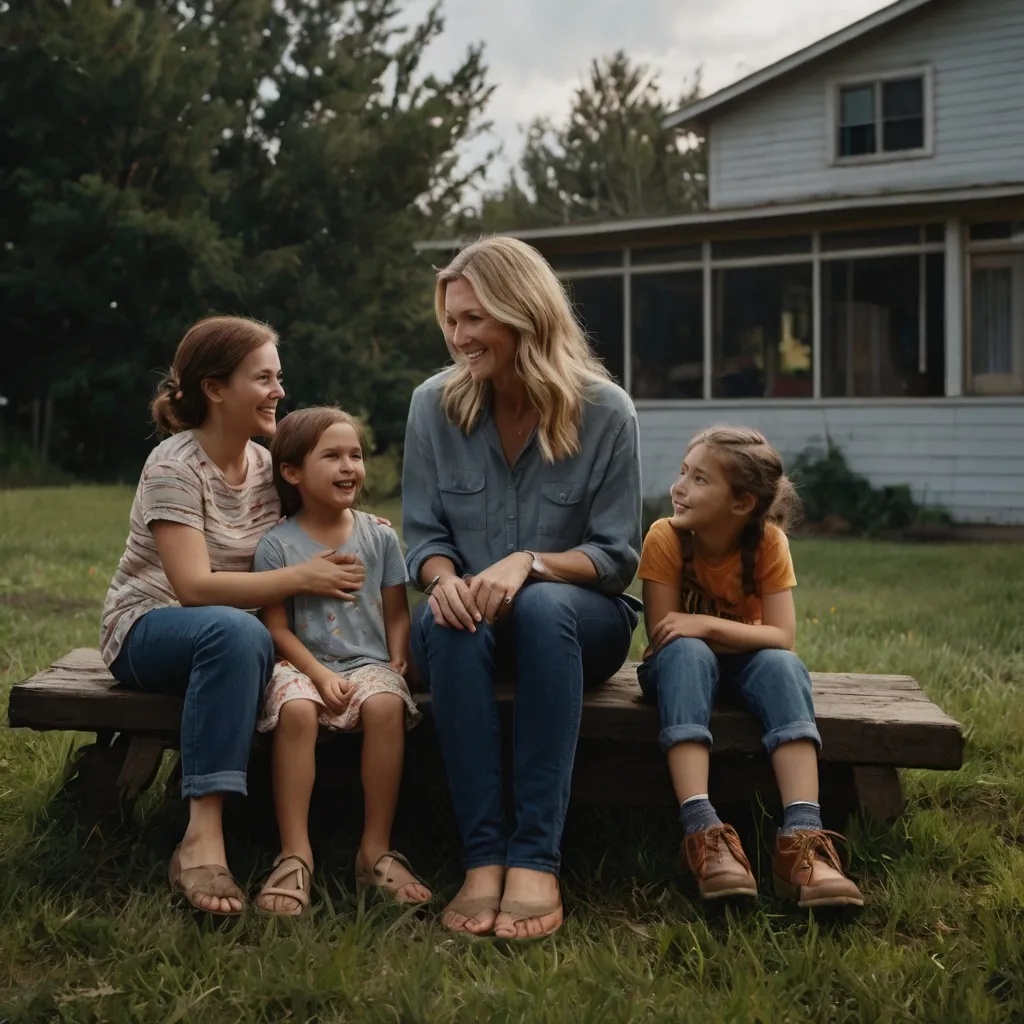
(718, 602)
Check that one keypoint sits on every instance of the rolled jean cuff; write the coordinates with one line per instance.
(789, 734)
(218, 782)
(673, 734)
(530, 864)
(483, 860)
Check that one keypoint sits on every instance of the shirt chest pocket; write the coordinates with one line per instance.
(463, 498)
(562, 515)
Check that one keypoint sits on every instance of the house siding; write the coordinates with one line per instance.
(773, 145)
(966, 456)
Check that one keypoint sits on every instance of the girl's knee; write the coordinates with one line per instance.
(685, 653)
(299, 717)
(780, 663)
(383, 708)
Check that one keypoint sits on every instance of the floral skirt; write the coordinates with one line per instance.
(288, 683)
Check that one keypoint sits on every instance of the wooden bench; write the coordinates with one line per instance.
(870, 726)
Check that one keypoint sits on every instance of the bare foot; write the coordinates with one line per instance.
(402, 885)
(529, 888)
(287, 905)
(201, 848)
(475, 906)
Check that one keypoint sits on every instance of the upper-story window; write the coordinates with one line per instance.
(882, 117)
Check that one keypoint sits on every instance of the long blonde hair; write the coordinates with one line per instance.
(517, 287)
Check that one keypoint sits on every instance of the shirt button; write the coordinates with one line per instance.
(510, 547)
(561, 497)
(511, 518)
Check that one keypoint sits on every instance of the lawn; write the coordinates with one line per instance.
(87, 932)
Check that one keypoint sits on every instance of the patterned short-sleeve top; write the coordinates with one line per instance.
(181, 484)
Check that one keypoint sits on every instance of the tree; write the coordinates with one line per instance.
(165, 160)
(613, 157)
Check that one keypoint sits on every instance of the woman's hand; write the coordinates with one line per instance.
(453, 605)
(335, 690)
(495, 588)
(399, 665)
(676, 625)
(332, 575)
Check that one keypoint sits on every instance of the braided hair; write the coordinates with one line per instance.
(754, 468)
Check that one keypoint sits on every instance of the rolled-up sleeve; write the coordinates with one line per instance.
(612, 536)
(424, 525)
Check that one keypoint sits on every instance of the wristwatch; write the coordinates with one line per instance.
(537, 566)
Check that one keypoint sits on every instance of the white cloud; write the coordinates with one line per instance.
(538, 50)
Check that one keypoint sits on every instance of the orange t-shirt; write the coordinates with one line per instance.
(717, 589)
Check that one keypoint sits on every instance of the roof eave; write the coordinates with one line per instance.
(693, 114)
(739, 214)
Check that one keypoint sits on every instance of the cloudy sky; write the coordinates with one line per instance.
(538, 50)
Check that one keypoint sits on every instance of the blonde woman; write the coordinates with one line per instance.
(521, 497)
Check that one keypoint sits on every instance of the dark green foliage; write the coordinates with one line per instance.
(829, 489)
(164, 161)
(613, 157)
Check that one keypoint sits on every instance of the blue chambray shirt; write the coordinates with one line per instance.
(460, 498)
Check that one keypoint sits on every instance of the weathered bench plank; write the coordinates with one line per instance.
(863, 719)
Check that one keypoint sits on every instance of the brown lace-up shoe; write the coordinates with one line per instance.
(807, 869)
(716, 858)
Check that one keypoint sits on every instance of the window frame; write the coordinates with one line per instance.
(1011, 383)
(833, 92)
(923, 247)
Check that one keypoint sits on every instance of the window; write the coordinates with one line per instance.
(600, 309)
(763, 332)
(998, 231)
(752, 248)
(667, 332)
(666, 254)
(567, 261)
(887, 115)
(869, 238)
(997, 324)
(883, 327)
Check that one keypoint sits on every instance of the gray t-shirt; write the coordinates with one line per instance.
(341, 635)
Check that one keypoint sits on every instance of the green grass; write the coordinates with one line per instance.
(87, 932)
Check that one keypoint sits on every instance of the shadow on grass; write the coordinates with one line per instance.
(621, 866)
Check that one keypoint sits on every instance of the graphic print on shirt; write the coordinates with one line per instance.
(695, 600)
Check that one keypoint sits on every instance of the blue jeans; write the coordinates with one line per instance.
(560, 638)
(774, 685)
(221, 660)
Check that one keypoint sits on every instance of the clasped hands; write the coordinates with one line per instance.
(462, 602)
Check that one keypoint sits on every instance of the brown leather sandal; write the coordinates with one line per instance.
(519, 910)
(379, 879)
(287, 867)
(189, 884)
(468, 907)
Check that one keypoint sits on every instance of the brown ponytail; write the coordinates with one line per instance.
(210, 350)
(755, 469)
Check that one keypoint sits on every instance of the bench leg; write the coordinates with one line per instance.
(172, 788)
(878, 791)
(104, 779)
(139, 768)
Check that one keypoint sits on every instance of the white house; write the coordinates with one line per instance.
(859, 274)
